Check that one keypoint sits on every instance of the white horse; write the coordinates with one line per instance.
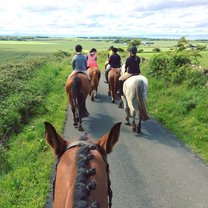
(135, 91)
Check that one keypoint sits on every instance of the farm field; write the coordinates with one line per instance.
(23, 50)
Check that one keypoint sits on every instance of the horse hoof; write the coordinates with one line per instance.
(127, 123)
(92, 99)
(112, 101)
(75, 124)
(133, 129)
(80, 129)
(138, 131)
(120, 106)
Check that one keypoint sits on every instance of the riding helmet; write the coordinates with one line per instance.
(133, 50)
(78, 48)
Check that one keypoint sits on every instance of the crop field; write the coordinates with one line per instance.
(23, 50)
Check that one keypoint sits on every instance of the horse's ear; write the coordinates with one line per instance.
(54, 139)
(110, 139)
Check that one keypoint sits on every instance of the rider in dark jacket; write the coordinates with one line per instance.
(132, 67)
(114, 61)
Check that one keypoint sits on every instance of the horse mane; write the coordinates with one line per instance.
(83, 185)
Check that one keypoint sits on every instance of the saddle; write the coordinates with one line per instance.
(116, 69)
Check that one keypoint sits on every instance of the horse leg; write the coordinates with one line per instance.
(127, 116)
(75, 122)
(133, 125)
(138, 128)
(109, 90)
(120, 105)
(92, 96)
(80, 125)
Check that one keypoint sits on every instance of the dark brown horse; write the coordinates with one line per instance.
(77, 88)
(94, 74)
(82, 175)
(113, 76)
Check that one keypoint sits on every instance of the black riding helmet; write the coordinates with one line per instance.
(93, 50)
(78, 48)
(133, 50)
(115, 50)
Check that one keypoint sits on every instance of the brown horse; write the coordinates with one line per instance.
(94, 74)
(77, 88)
(82, 171)
(113, 76)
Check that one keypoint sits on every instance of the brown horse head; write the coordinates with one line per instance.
(82, 177)
(77, 88)
(113, 77)
(94, 74)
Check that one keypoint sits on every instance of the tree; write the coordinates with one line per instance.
(134, 42)
(182, 44)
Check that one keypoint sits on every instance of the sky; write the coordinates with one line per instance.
(144, 18)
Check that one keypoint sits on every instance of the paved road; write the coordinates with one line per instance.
(151, 170)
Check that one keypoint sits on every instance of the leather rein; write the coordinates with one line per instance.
(102, 152)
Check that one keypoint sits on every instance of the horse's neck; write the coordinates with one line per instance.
(65, 180)
(100, 194)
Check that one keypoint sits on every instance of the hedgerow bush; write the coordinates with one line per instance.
(24, 87)
(176, 67)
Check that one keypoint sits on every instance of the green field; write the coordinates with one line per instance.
(23, 50)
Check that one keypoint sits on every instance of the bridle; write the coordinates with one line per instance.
(92, 146)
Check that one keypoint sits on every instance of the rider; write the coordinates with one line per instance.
(92, 59)
(132, 67)
(114, 61)
(107, 65)
(79, 63)
(110, 51)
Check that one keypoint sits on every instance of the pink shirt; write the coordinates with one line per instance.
(91, 61)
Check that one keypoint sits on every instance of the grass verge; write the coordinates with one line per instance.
(25, 160)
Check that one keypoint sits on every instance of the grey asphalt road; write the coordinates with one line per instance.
(150, 170)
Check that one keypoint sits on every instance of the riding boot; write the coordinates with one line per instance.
(120, 85)
(106, 77)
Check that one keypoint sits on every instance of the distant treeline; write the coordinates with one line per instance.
(115, 39)
(22, 38)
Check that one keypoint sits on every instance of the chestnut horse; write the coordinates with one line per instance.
(113, 76)
(77, 88)
(82, 171)
(94, 74)
(135, 90)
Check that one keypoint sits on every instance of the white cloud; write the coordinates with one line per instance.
(103, 18)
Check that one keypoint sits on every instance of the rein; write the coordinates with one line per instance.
(92, 147)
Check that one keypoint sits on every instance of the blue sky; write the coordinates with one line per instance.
(104, 17)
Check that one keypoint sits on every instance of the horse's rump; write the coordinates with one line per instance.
(141, 100)
(94, 74)
(77, 88)
(113, 77)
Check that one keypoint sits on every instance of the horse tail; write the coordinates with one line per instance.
(140, 90)
(115, 81)
(94, 79)
(78, 98)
